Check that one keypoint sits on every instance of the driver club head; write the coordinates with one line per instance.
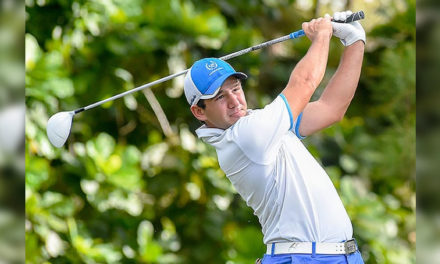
(58, 128)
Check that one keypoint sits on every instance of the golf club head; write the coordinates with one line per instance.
(58, 128)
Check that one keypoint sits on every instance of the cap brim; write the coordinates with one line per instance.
(215, 86)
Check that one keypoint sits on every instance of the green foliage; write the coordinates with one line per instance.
(125, 191)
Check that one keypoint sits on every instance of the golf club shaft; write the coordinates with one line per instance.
(355, 16)
(226, 57)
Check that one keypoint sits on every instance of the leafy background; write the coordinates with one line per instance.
(134, 186)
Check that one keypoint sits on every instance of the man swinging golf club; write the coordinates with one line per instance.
(302, 217)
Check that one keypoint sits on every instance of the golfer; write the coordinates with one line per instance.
(302, 217)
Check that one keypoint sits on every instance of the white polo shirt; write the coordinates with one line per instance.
(278, 178)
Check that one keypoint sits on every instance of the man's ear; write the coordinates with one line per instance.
(198, 112)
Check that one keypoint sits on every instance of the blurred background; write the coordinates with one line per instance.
(12, 121)
(134, 185)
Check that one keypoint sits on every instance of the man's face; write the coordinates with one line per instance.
(225, 108)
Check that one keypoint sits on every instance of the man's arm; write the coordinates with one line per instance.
(334, 101)
(310, 70)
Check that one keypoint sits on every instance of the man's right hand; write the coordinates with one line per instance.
(318, 27)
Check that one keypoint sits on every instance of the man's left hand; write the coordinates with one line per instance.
(348, 33)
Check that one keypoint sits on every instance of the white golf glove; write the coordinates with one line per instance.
(348, 33)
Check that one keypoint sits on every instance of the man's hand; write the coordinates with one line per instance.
(348, 33)
(318, 27)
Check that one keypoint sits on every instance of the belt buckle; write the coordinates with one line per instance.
(350, 246)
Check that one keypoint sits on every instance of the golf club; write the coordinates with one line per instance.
(59, 125)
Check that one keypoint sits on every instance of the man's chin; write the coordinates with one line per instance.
(235, 118)
(231, 122)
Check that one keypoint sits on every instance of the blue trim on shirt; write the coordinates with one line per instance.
(298, 121)
(288, 109)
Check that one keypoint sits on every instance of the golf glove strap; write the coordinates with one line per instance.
(348, 33)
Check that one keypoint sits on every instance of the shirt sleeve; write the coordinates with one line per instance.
(294, 125)
(259, 134)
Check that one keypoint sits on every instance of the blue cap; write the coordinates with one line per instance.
(205, 78)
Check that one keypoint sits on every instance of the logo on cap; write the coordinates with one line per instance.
(193, 98)
(211, 65)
